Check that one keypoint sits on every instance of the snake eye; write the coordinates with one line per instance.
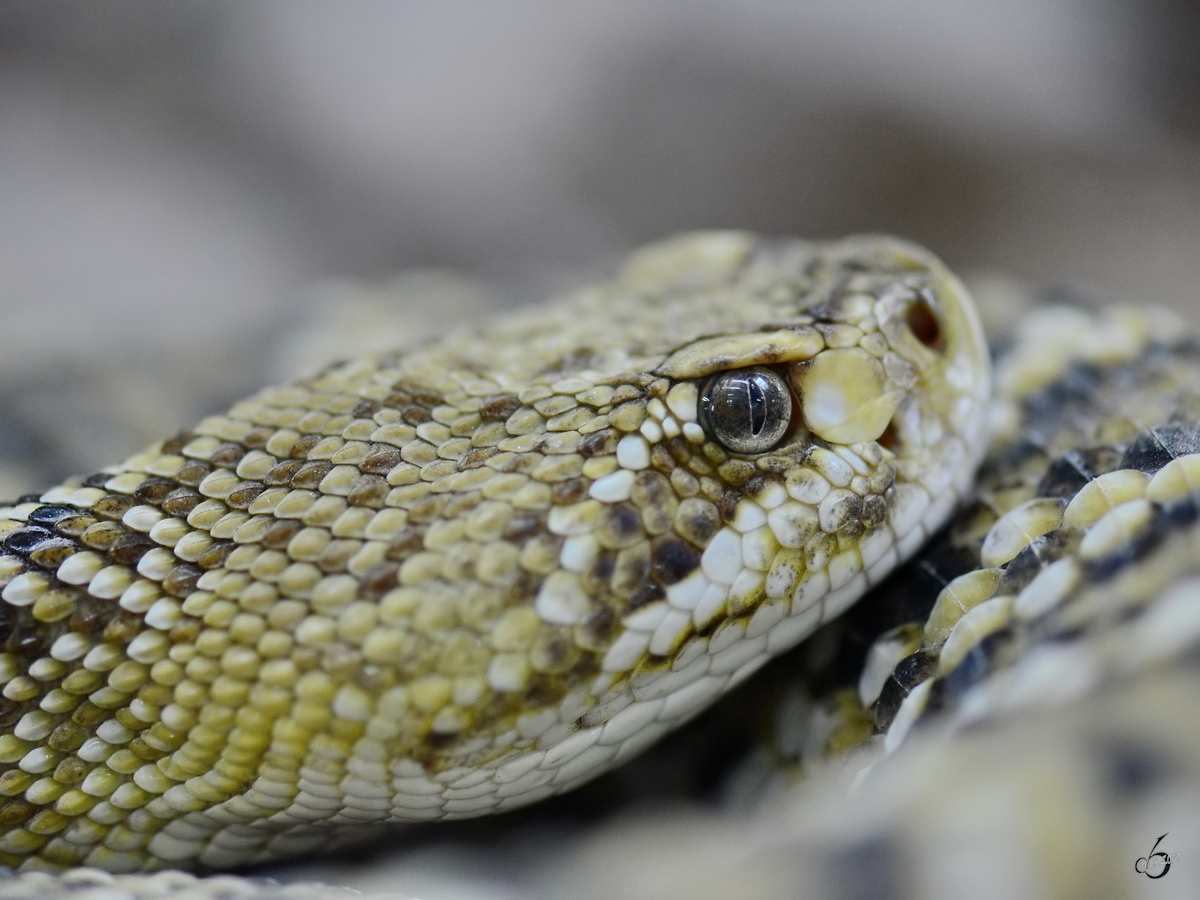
(746, 410)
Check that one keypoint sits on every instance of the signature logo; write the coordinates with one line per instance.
(1155, 864)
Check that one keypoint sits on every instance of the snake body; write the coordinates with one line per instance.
(459, 579)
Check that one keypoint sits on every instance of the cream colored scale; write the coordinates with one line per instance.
(455, 581)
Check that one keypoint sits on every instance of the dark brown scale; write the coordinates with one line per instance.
(97, 480)
(181, 501)
(243, 494)
(304, 445)
(597, 631)
(152, 491)
(129, 548)
(672, 559)
(336, 555)
(651, 489)
(281, 474)
(366, 409)
(619, 525)
(280, 534)
(257, 438)
(874, 511)
(378, 580)
(181, 580)
(227, 455)
(421, 395)
(310, 475)
(193, 472)
(410, 540)
(102, 536)
(114, 506)
(382, 458)
(572, 490)
(215, 556)
(680, 448)
(370, 491)
(755, 485)
(474, 459)
(603, 568)
(599, 443)
(499, 406)
(727, 505)
(174, 445)
(415, 415)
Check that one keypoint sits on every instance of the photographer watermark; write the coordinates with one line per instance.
(1156, 863)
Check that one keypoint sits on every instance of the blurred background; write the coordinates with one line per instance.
(198, 196)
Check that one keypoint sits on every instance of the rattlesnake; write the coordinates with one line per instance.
(513, 558)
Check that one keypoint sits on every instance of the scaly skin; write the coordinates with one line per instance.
(457, 580)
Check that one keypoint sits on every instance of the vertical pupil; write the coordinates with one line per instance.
(758, 404)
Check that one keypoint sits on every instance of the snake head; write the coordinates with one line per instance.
(824, 418)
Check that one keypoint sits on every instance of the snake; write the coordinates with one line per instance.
(460, 579)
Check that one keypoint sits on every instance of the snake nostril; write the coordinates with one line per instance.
(923, 323)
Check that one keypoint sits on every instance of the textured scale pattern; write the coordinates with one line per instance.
(456, 580)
